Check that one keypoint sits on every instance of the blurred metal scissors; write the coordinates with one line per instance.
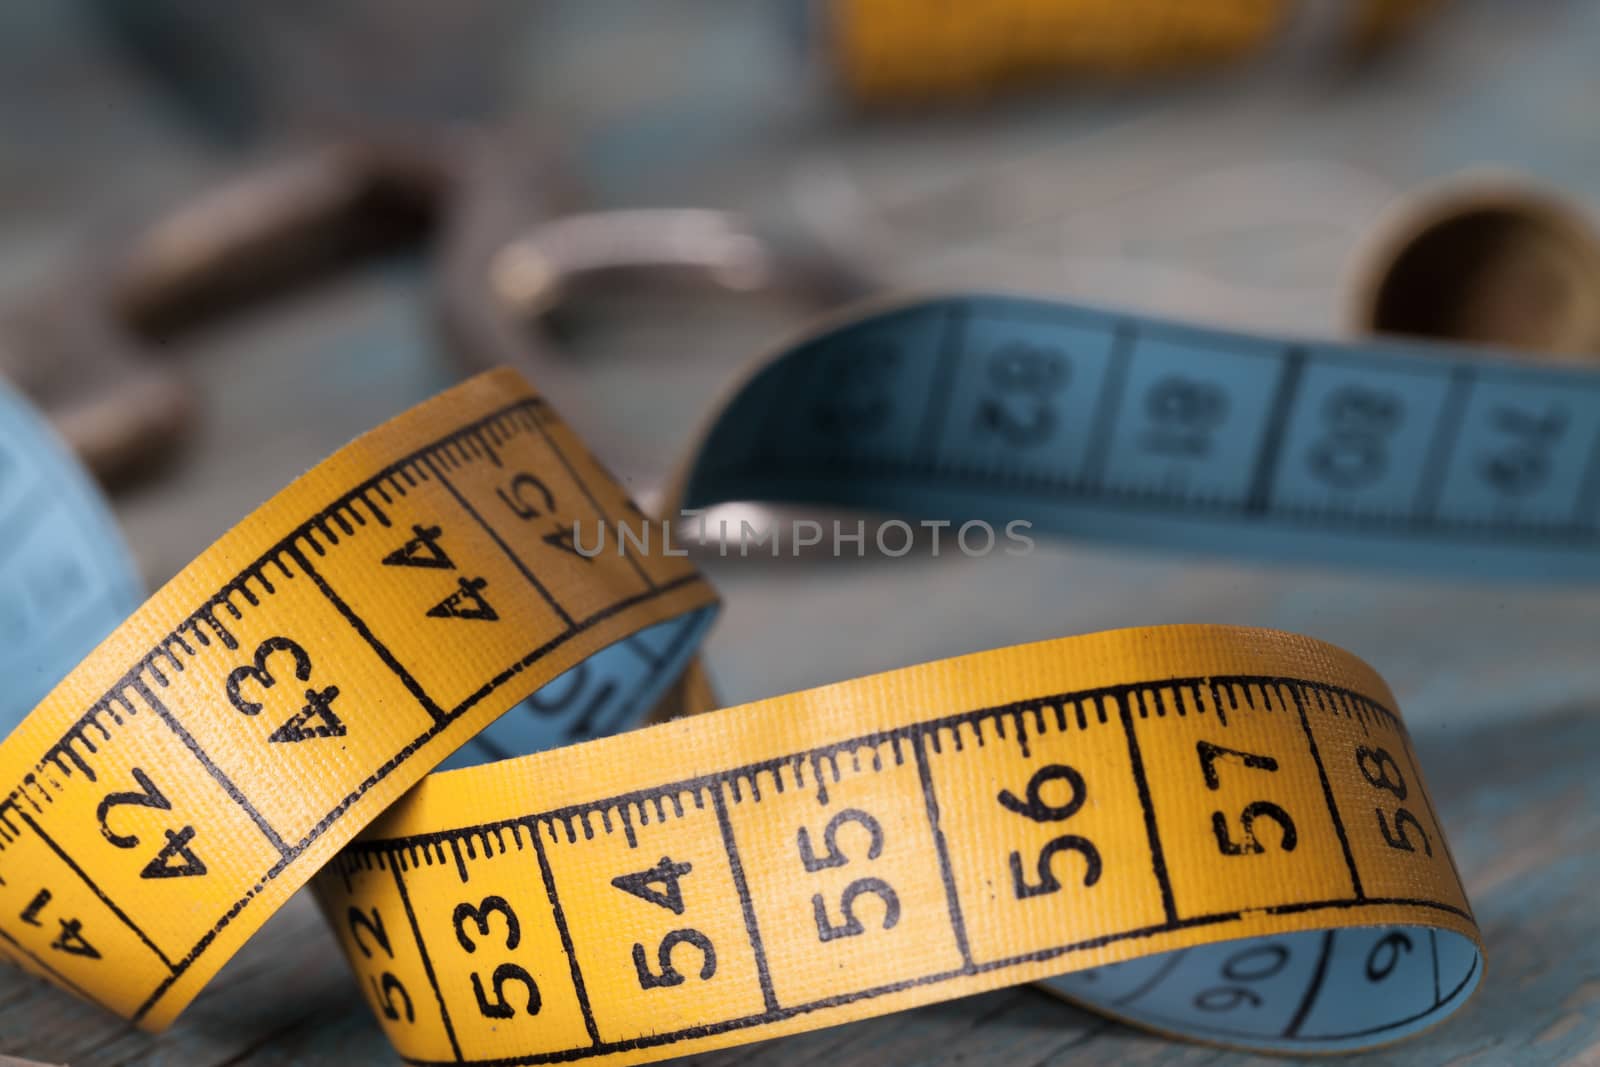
(492, 314)
(88, 348)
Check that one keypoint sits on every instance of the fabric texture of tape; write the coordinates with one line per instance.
(927, 833)
(313, 664)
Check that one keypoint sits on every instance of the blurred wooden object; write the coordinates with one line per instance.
(908, 52)
(1487, 259)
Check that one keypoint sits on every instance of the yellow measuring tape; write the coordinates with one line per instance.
(900, 51)
(1228, 825)
(893, 840)
(290, 684)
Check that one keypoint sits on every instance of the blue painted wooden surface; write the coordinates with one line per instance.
(1238, 200)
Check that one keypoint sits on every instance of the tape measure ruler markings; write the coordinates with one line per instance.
(821, 874)
(1425, 457)
(160, 784)
(612, 690)
(1096, 742)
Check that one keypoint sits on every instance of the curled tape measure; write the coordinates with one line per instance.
(297, 678)
(1412, 455)
(1210, 831)
(1136, 802)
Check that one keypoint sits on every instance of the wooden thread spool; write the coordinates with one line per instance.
(1485, 260)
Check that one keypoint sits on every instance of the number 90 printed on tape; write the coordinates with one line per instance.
(1214, 832)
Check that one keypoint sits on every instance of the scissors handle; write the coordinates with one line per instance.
(88, 347)
(493, 305)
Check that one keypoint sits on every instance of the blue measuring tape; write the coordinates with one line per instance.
(1085, 423)
(1081, 422)
(66, 577)
(609, 692)
(1119, 427)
